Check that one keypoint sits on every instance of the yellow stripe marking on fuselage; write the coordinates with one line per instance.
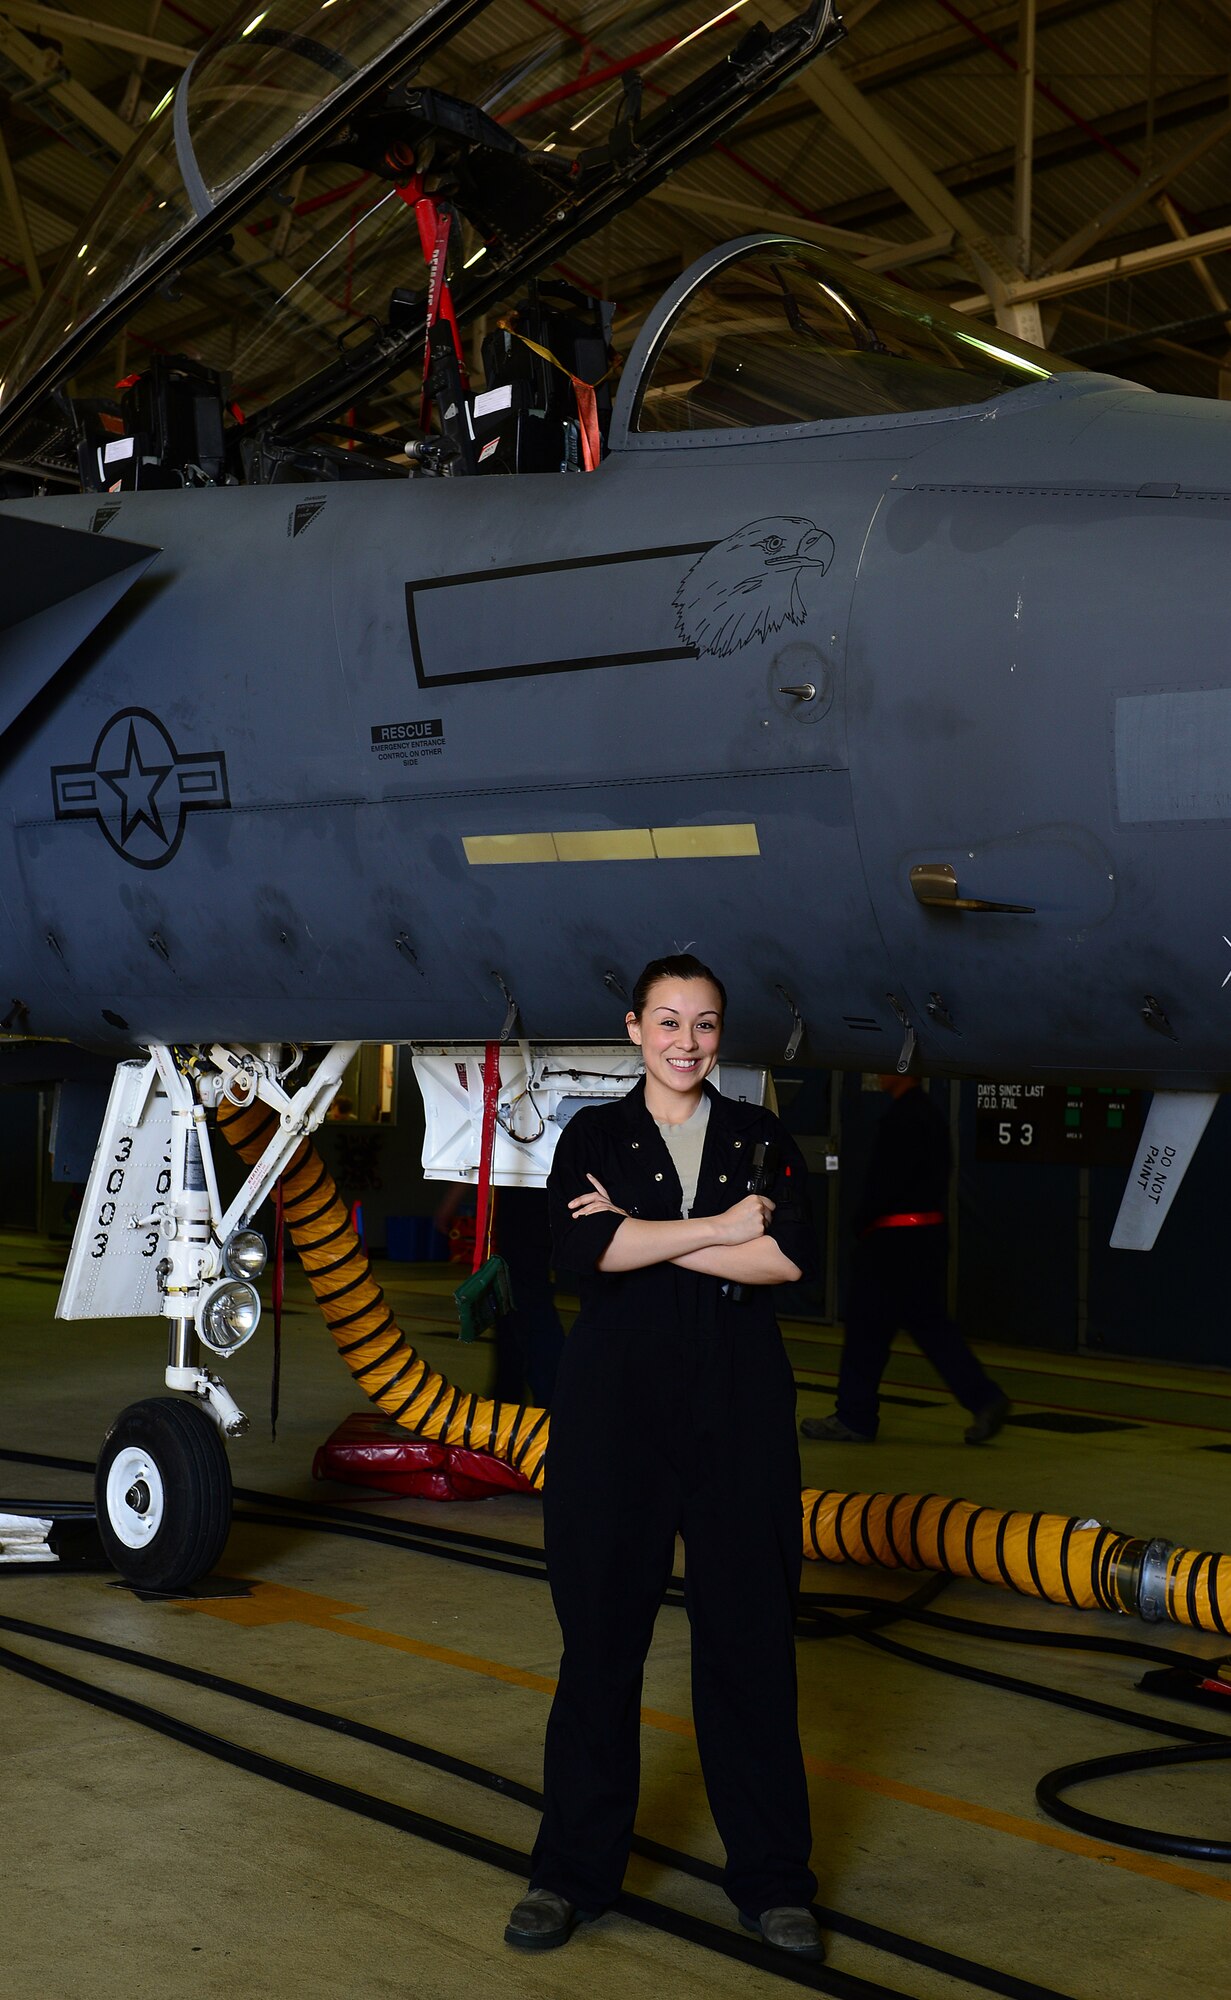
(614, 843)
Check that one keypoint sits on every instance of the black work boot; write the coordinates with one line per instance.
(988, 1421)
(787, 1929)
(832, 1430)
(541, 1921)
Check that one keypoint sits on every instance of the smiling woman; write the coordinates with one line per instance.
(678, 1209)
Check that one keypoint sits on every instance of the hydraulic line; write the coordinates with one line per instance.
(1083, 1565)
(384, 1364)
(1088, 1567)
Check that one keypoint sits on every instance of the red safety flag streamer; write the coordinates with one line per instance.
(278, 1282)
(587, 419)
(434, 224)
(485, 1207)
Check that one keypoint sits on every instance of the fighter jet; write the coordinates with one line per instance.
(877, 653)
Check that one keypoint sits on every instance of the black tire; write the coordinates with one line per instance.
(162, 1492)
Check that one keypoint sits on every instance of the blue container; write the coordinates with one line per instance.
(414, 1239)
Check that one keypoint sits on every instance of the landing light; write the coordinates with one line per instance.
(228, 1315)
(244, 1254)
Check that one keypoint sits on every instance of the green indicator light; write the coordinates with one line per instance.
(1072, 1115)
(1115, 1118)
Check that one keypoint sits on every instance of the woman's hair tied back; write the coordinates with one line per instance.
(680, 965)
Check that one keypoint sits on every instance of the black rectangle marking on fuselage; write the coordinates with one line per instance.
(487, 610)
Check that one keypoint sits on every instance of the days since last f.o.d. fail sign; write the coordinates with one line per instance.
(1057, 1124)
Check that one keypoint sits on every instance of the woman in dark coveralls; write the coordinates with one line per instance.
(674, 1412)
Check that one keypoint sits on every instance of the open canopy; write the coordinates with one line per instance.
(352, 93)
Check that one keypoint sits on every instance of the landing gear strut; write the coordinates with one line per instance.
(153, 1239)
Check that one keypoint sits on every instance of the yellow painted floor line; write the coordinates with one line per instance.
(278, 1604)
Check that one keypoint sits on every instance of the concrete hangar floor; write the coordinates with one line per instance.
(135, 1864)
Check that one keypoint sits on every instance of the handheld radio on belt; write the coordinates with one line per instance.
(760, 1181)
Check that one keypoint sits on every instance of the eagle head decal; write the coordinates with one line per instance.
(748, 586)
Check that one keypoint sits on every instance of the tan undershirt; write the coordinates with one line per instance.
(685, 1143)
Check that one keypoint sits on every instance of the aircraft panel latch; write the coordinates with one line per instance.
(935, 886)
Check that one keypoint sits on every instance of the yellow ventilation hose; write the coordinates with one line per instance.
(1039, 1555)
(383, 1363)
(1089, 1567)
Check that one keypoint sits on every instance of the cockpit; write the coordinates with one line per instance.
(779, 333)
(338, 251)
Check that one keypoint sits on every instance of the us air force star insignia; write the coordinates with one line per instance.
(139, 779)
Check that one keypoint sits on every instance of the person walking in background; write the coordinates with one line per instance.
(899, 1273)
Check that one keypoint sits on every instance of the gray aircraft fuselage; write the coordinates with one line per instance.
(339, 757)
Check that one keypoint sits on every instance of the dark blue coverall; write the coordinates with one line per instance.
(674, 1412)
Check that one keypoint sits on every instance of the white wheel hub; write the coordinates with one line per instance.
(136, 1498)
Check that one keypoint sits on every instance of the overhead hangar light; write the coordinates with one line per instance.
(228, 1315)
(244, 1254)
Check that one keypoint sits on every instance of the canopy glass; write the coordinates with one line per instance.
(787, 334)
(239, 108)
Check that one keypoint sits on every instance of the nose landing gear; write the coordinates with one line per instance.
(163, 1494)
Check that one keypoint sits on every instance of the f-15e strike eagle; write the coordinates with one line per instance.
(878, 652)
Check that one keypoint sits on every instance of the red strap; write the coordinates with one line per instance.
(587, 418)
(914, 1220)
(434, 225)
(491, 1099)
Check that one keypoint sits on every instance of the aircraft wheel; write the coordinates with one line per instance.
(162, 1492)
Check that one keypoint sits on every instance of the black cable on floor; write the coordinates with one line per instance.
(1199, 1745)
(1059, 1697)
(1193, 1847)
(890, 1942)
(475, 1847)
(425, 1538)
(815, 1609)
(42, 1458)
(1073, 1642)
(403, 1535)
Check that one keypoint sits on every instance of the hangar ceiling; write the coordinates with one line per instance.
(1059, 166)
